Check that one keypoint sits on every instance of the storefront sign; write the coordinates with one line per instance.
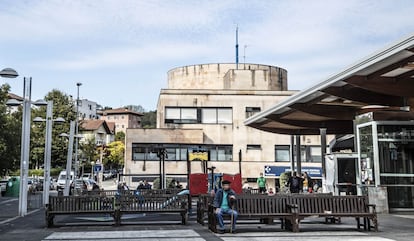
(275, 171)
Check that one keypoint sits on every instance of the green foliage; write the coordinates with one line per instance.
(149, 119)
(120, 136)
(114, 156)
(156, 183)
(10, 134)
(88, 150)
(284, 177)
(63, 106)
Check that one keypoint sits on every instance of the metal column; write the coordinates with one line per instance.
(298, 156)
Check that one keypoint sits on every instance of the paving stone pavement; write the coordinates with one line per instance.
(398, 227)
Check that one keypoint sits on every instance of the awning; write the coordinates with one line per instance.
(382, 82)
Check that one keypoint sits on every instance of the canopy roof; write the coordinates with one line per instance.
(383, 81)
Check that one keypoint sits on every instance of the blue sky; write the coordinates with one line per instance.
(121, 50)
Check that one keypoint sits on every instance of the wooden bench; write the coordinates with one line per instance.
(155, 203)
(116, 206)
(258, 207)
(302, 206)
(204, 200)
(79, 205)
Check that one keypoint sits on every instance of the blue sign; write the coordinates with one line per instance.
(275, 171)
(97, 168)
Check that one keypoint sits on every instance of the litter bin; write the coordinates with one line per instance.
(13, 186)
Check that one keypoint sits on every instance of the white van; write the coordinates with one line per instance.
(62, 179)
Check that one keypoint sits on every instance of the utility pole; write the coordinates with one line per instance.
(77, 132)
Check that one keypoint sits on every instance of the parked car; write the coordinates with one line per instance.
(93, 186)
(86, 176)
(107, 174)
(62, 179)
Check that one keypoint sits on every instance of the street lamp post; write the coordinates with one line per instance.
(77, 130)
(25, 146)
(69, 158)
(48, 148)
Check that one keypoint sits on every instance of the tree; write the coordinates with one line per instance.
(149, 119)
(63, 106)
(89, 153)
(120, 136)
(114, 154)
(10, 134)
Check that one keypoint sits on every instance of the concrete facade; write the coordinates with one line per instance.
(185, 118)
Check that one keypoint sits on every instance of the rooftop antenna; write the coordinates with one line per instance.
(244, 57)
(237, 47)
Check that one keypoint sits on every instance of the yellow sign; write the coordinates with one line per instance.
(200, 156)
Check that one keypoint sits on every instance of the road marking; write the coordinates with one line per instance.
(404, 216)
(304, 236)
(8, 201)
(128, 235)
(14, 218)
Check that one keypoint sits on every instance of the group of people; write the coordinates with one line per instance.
(225, 198)
(299, 184)
(175, 184)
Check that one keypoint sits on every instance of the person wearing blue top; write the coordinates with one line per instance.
(224, 205)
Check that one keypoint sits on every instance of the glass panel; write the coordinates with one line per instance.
(172, 113)
(183, 154)
(171, 154)
(213, 154)
(224, 116)
(315, 154)
(209, 116)
(224, 153)
(398, 197)
(396, 157)
(282, 154)
(189, 114)
(367, 155)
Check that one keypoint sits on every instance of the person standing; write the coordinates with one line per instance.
(294, 183)
(307, 183)
(224, 205)
(261, 182)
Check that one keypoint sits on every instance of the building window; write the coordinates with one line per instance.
(250, 111)
(224, 116)
(122, 117)
(282, 153)
(187, 115)
(254, 147)
(221, 153)
(123, 126)
(180, 115)
(209, 116)
(310, 153)
(180, 152)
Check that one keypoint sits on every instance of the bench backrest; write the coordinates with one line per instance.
(80, 203)
(153, 202)
(335, 204)
(256, 204)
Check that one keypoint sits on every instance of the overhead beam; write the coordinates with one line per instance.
(331, 111)
(357, 94)
(385, 85)
(336, 124)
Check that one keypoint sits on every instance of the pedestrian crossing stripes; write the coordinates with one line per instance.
(150, 235)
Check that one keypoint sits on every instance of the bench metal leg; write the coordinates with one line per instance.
(49, 220)
(117, 217)
(184, 218)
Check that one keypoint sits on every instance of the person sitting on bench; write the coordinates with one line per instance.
(224, 205)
